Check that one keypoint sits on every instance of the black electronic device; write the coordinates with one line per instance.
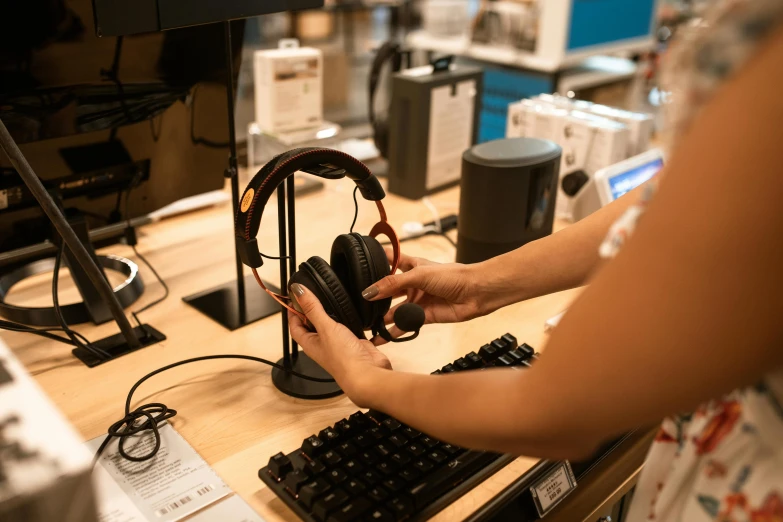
(122, 17)
(390, 52)
(372, 467)
(93, 115)
(507, 196)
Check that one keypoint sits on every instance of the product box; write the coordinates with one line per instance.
(433, 120)
(288, 87)
(46, 471)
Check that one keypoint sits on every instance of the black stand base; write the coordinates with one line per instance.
(222, 303)
(301, 388)
(117, 346)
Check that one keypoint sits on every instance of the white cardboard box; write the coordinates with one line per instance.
(47, 469)
(288, 88)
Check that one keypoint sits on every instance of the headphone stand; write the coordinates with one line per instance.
(292, 358)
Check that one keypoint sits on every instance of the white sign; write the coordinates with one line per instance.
(451, 131)
(553, 488)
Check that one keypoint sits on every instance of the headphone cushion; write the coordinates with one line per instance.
(355, 261)
(346, 311)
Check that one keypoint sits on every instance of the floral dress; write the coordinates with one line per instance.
(723, 462)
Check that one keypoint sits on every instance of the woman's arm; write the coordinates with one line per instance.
(689, 310)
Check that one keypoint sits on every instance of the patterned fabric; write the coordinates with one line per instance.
(723, 462)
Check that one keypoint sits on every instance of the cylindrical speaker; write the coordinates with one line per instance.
(507, 197)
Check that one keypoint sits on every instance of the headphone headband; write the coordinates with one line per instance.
(321, 162)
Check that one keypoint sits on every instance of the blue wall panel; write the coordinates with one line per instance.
(596, 22)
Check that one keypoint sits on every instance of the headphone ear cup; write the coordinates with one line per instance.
(331, 292)
(360, 261)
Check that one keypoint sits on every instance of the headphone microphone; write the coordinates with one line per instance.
(409, 317)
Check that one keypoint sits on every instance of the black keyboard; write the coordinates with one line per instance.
(371, 467)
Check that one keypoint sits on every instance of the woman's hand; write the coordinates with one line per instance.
(348, 359)
(447, 293)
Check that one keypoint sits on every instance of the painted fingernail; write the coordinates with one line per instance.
(370, 292)
(297, 289)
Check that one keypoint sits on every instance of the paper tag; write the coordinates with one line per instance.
(174, 484)
(3, 199)
(552, 489)
(451, 131)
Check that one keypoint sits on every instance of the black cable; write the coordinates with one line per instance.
(43, 332)
(70, 238)
(154, 413)
(355, 208)
(78, 340)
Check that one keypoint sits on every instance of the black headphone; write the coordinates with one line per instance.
(388, 52)
(356, 261)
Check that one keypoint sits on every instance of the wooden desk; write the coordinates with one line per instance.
(229, 411)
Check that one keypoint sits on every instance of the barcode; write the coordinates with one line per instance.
(206, 489)
(174, 505)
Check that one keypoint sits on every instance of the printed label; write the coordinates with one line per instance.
(247, 200)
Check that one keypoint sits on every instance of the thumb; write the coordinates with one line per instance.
(392, 285)
(311, 307)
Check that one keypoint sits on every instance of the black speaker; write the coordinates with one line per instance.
(507, 196)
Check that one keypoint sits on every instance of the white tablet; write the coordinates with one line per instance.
(614, 181)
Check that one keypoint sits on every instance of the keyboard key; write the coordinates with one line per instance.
(516, 356)
(314, 467)
(312, 491)
(344, 428)
(511, 340)
(377, 433)
(409, 474)
(337, 476)
(312, 446)
(423, 465)
(352, 467)
(329, 436)
(280, 465)
(368, 457)
(371, 477)
(362, 441)
(331, 458)
(354, 487)
(393, 484)
(346, 449)
(474, 360)
(378, 416)
(436, 456)
(527, 350)
(450, 449)
(379, 515)
(411, 433)
(501, 345)
(505, 360)
(359, 420)
(324, 507)
(445, 478)
(436, 372)
(386, 468)
(401, 507)
(351, 511)
(391, 424)
(384, 450)
(416, 449)
(378, 494)
(449, 368)
(428, 441)
(295, 480)
(488, 352)
(462, 364)
(398, 440)
(401, 458)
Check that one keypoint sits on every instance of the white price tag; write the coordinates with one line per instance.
(552, 489)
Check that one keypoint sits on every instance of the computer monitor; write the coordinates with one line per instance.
(92, 114)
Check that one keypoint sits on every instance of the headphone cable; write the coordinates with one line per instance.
(147, 417)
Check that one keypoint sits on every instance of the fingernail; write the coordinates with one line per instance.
(370, 292)
(297, 289)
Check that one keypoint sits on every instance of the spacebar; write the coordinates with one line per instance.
(449, 476)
